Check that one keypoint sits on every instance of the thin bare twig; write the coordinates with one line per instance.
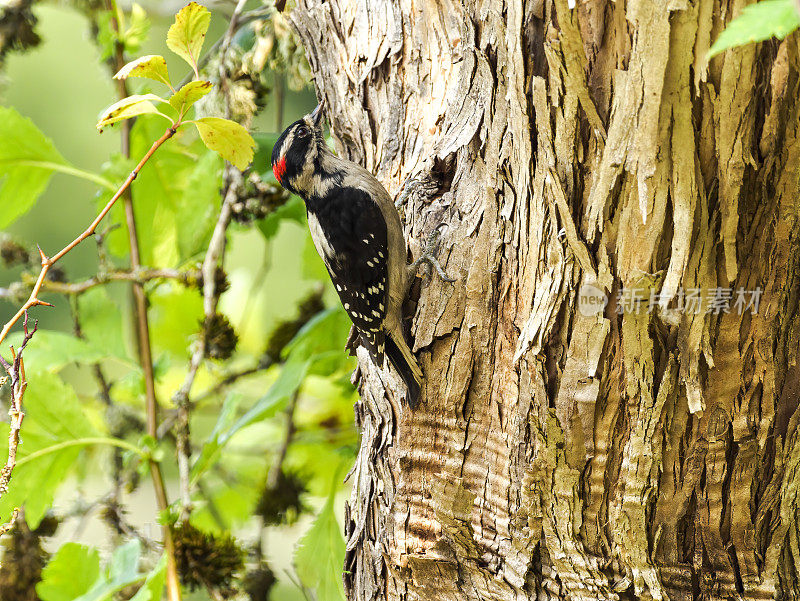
(18, 382)
(138, 276)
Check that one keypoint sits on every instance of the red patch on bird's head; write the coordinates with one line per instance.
(279, 169)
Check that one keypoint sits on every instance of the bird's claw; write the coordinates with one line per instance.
(428, 257)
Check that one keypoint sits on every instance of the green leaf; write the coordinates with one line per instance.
(159, 191)
(121, 571)
(186, 35)
(27, 159)
(51, 350)
(53, 415)
(136, 34)
(151, 66)
(154, 585)
(199, 206)
(289, 380)
(758, 22)
(71, 573)
(176, 313)
(293, 210)
(102, 325)
(319, 556)
(218, 437)
(189, 94)
(228, 138)
(324, 332)
(132, 106)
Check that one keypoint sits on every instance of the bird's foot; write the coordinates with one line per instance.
(409, 186)
(428, 258)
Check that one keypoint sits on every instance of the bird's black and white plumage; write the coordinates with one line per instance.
(357, 231)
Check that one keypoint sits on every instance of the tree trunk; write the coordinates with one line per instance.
(560, 452)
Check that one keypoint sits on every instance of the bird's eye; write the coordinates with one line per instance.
(302, 131)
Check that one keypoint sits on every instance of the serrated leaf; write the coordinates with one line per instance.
(189, 94)
(132, 106)
(319, 556)
(53, 415)
(121, 571)
(228, 138)
(186, 35)
(151, 66)
(25, 154)
(70, 573)
(758, 22)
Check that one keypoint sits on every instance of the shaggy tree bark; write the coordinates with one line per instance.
(630, 454)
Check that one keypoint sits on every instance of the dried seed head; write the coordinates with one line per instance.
(285, 331)
(258, 582)
(13, 253)
(220, 337)
(281, 503)
(23, 560)
(206, 560)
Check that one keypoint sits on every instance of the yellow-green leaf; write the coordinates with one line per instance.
(138, 104)
(189, 94)
(151, 66)
(227, 138)
(186, 35)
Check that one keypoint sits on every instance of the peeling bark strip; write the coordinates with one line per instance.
(627, 455)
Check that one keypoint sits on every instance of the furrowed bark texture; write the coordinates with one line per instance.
(633, 455)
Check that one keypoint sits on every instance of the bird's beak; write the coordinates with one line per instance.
(316, 115)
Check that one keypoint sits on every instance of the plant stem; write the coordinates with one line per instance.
(79, 442)
(143, 338)
(67, 169)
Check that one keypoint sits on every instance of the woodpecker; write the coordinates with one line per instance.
(357, 232)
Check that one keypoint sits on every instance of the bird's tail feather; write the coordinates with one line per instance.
(406, 365)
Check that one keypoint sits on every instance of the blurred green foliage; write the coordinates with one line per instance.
(759, 22)
(271, 423)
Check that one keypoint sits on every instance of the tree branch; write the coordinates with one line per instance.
(140, 276)
(16, 374)
(48, 262)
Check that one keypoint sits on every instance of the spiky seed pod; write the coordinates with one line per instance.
(23, 560)
(281, 503)
(258, 582)
(285, 331)
(220, 337)
(221, 283)
(206, 560)
(257, 200)
(13, 253)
